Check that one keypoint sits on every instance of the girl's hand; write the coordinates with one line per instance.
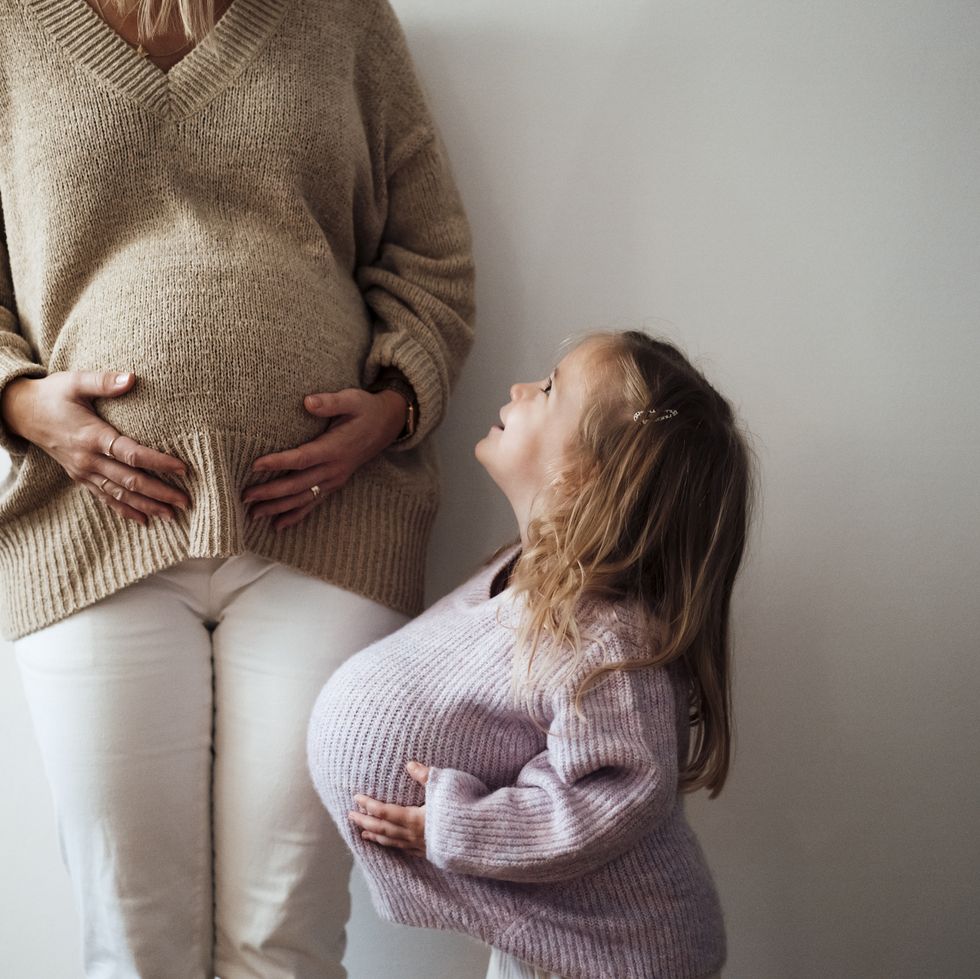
(56, 414)
(402, 827)
(363, 425)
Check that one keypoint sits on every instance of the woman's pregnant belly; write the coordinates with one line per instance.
(224, 340)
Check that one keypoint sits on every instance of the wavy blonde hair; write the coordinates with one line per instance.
(655, 513)
(196, 17)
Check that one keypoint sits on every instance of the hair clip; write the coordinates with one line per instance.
(638, 416)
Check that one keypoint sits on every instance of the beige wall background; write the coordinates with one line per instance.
(790, 191)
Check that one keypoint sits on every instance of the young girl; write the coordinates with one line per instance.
(511, 763)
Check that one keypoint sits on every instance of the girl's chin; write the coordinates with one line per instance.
(483, 450)
(492, 433)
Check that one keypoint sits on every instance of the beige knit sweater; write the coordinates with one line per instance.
(274, 216)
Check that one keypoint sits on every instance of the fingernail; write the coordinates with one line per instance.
(313, 401)
(166, 516)
(121, 379)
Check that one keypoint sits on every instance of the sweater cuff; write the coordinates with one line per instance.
(12, 366)
(400, 352)
(450, 843)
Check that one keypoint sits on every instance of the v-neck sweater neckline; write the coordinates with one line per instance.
(209, 67)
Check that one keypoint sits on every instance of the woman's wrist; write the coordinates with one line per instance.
(396, 406)
(390, 378)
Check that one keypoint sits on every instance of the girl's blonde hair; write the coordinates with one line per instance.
(655, 513)
(196, 17)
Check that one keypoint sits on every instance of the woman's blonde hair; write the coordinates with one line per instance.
(654, 513)
(196, 17)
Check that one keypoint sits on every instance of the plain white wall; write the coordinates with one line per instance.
(790, 191)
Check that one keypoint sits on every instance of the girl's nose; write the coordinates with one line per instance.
(517, 390)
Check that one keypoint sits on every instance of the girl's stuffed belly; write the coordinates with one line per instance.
(361, 734)
(387, 706)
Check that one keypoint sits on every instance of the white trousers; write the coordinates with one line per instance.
(172, 718)
(505, 966)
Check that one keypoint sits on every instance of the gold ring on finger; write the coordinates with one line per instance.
(315, 490)
(108, 451)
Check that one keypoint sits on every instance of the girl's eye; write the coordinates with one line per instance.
(547, 388)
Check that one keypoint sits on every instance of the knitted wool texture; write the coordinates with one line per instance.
(570, 851)
(273, 217)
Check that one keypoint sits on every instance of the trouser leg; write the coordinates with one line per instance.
(504, 966)
(281, 868)
(120, 698)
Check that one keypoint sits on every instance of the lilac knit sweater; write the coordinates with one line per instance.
(570, 851)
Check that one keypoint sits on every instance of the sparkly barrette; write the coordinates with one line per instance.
(645, 414)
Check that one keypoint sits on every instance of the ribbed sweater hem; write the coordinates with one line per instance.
(519, 938)
(369, 537)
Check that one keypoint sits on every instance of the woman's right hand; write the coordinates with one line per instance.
(56, 414)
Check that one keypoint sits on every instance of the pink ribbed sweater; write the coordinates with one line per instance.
(569, 851)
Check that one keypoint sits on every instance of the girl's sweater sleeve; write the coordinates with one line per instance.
(419, 286)
(602, 783)
(16, 356)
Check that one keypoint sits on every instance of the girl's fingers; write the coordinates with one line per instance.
(397, 844)
(418, 771)
(383, 827)
(384, 840)
(401, 815)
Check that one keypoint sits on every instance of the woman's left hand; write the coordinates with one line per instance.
(402, 827)
(363, 425)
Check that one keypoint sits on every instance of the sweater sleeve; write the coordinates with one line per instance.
(602, 783)
(16, 356)
(419, 287)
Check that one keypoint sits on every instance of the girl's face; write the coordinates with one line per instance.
(535, 429)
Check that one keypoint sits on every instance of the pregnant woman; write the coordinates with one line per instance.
(236, 289)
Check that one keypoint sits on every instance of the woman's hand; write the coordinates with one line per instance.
(402, 827)
(363, 424)
(56, 414)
